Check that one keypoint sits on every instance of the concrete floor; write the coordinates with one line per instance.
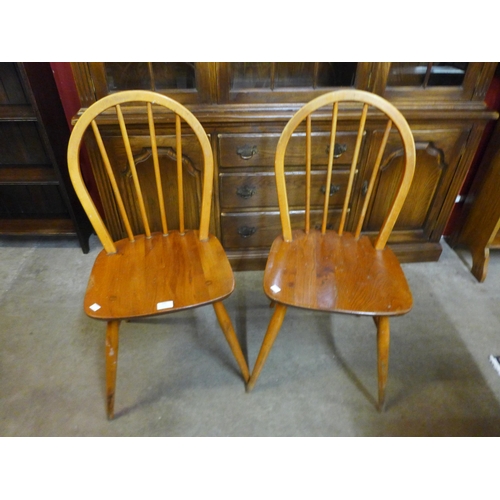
(176, 376)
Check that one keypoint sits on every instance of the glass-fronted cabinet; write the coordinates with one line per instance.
(283, 81)
(289, 82)
(443, 80)
(187, 82)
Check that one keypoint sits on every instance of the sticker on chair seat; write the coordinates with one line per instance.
(95, 307)
(276, 288)
(168, 304)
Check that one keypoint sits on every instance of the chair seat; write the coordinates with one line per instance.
(336, 274)
(158, 275)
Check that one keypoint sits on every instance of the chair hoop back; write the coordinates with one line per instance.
(394, 119)
(88, 120)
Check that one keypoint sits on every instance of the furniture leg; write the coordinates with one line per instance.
(383, 338)
(232, 340)
(271, 334)
(111, 365)
(480, 260)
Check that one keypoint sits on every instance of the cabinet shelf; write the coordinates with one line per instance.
(27, 174)
(17, 112)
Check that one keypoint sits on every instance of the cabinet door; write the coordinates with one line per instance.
(437, 80)
(254, 82)
(186, 82)
(438, 154)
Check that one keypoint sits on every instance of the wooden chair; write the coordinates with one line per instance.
(339, 271)
(154, 272)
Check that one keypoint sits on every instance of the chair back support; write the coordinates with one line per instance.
(393, 119)
(150, 100)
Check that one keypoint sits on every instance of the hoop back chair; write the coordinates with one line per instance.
(150, 273)
(336, 270)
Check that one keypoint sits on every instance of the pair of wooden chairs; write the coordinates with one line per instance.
(156, 271)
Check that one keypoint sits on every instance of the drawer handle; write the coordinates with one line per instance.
(246, 192)
(364, 188)
(246, 231)
(338, 150)
(334, 188)
(246, 152)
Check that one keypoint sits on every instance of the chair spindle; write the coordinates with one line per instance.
(178, 142)
(156, 163)
(350, 183)
(373, 177)
(112, 179)
(133, 170)
(331, 152)
(308, 173)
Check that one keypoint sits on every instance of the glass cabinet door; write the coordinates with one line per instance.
(443, 80)
(187, 82)
(282, 82)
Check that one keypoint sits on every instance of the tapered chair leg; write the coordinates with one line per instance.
(383, 340)
(111, 365)
(227, 327)
(271, 334)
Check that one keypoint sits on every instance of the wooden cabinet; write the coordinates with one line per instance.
(479, 227)
(245, 106)
(36, 196)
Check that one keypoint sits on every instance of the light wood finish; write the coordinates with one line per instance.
(151, 273)
(334, 270)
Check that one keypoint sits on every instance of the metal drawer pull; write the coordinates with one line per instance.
(246, 152)
(245, 191)
(338, 150)
(246, 231)
(334, 188)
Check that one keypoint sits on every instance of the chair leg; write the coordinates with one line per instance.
(383, 340)
(271, 334)
(111, 365)
(228, 330)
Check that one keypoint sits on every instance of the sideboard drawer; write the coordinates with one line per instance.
(259, 229)
(258, 189)
(247, 150)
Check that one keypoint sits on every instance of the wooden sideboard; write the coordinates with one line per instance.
(479, 227)
(245, 106)
(36, 195)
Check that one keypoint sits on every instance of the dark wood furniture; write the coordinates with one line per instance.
(167, 262)
(335, 270)
(36, 196)
(479, 227)
(245, 106)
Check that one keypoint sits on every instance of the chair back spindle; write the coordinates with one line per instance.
(133, 170)
(112, 179)
(308, 173)
(373, 177)
(178, 147)
(156, 163)
(331, 151)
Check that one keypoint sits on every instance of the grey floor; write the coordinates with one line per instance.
(176, 376)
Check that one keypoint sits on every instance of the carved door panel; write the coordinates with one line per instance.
(438, 153)
(141, 149)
